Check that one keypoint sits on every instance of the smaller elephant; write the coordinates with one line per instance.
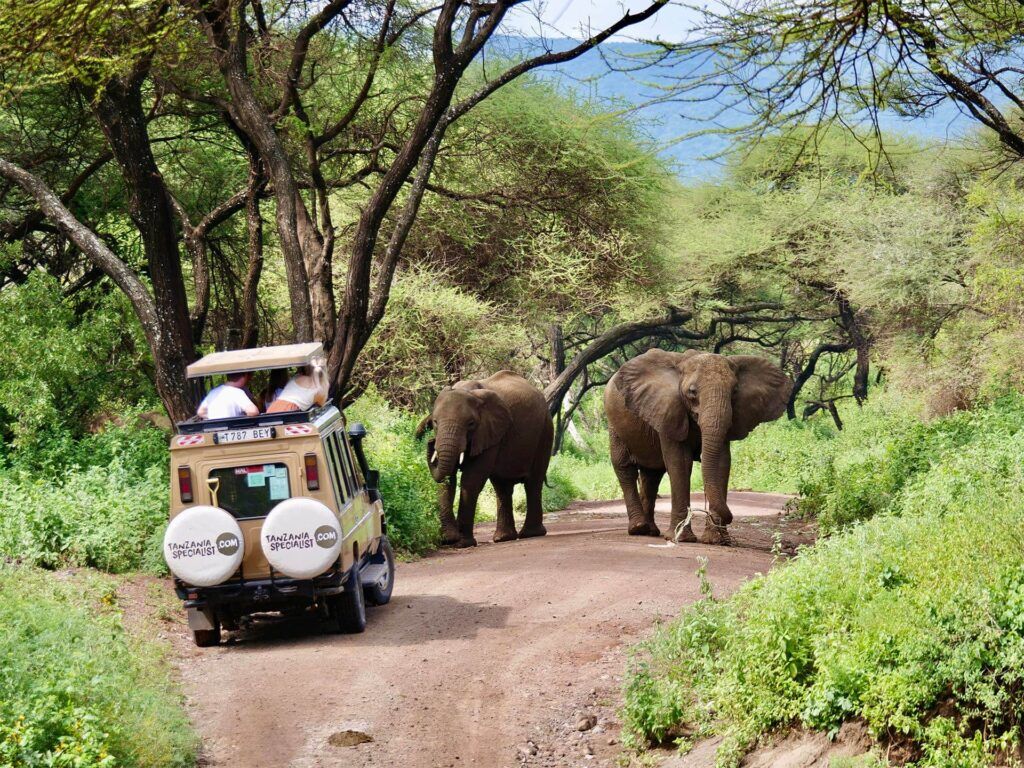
(668, 409)
(496, 429)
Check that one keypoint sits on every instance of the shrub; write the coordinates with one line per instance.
(409, 491)
(75, 690)
(98, 501)
(913, 620)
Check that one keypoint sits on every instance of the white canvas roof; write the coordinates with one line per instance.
(260, 358)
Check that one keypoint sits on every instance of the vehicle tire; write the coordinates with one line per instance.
(207, 638)
(348, 610)
(375, 593)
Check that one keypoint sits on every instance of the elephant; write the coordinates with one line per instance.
(667, 409)
(496, 429)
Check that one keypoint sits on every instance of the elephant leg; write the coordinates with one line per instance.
(679, 462)
(534, 485)
(446, 503)
(469, 493)
(650, 479)
(627, 477)
(506, 529)
(626, 473)
(534, 523)
(715, 531)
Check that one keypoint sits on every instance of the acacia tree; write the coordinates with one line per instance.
(792, 63)
(120, 54)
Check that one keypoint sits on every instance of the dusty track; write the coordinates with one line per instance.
(485, 657)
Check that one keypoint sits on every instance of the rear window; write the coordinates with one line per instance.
(250, 491)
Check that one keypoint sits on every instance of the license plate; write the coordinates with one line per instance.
(243, 435)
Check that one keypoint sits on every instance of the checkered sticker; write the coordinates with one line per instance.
(186, 440)
(297, 429)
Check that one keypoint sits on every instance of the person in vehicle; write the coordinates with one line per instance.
(309, 386)
(275, 384)
(229, 400)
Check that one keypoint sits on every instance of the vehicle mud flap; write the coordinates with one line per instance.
(347, 610)
(378, 575)
(201, 619)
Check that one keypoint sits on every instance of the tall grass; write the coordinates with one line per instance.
(912, 621)
(75, 690)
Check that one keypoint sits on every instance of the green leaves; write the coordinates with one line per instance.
(75, 690)
(911, 621)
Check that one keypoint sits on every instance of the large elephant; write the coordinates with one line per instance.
(667, 409)
(496, 429)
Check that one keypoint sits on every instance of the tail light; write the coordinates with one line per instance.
(312, 472)
(185, 484)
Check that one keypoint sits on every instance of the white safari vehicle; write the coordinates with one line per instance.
(274, 513)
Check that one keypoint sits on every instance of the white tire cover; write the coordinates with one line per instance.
(203, 545)
(301, 538)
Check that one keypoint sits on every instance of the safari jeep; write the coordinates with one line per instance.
(274, 513)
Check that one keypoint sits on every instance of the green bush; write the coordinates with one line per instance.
(409, 491)
(775, 455)
(913, 620)
(98, 501)
(75, 690)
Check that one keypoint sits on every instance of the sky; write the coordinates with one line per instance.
(575, 18)
(535, 25)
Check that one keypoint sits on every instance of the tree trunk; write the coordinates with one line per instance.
(557, 339)
(254, 222)
(609, 341)
(808, 370)
(254, 121)
(121, 116)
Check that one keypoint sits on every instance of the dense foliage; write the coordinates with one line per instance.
(911, 621)
(75, 689)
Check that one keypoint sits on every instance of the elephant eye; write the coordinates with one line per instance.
(692, 391)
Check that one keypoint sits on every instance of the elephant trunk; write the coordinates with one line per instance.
(714, 457)
(449, 443)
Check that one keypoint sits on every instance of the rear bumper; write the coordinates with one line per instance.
(261, 594)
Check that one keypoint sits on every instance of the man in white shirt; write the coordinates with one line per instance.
(229, 399)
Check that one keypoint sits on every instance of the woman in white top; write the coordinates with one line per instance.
(304, 389)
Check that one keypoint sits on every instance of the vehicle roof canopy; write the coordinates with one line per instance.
(260, 358)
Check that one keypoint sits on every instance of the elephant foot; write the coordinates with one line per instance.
(653, 530)
(505, 535)
(685, 535)
(715, 534)
(529, 532)
(449, 538)
(465, 543)
(641, 529)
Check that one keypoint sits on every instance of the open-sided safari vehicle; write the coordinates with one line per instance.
(274, 513)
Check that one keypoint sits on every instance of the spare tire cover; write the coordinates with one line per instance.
(203, 545)
(301, 538)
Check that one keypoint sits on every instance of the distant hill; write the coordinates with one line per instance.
(664, 123)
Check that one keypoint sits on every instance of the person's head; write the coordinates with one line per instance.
(239, 379)
(278, 378)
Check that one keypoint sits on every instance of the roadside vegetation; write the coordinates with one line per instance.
(76, 689)
(912, 621)
(528, 228)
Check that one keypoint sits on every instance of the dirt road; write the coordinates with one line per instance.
(485, 657)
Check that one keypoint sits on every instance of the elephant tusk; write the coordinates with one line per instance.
(461, 456)
(433, 458)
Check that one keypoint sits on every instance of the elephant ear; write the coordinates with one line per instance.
(649, 384)
(425, 423)
(495, 420)
(762, 391)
